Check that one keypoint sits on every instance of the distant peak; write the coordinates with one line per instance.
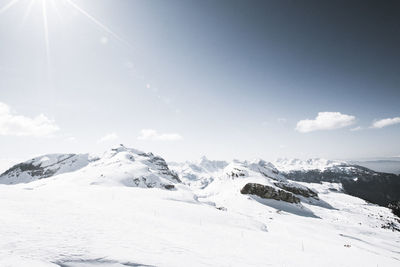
(307, 164)
(259, 161)
(204, 158)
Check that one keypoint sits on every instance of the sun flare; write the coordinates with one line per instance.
(52, 6)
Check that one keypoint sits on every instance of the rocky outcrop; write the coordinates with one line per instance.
(269, 192)
(160, 165)
(31, 169)
(297, 190)
(391, 226)
(144, 182)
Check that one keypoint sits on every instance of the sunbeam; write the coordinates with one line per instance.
(7, 6)
(27, 12)
(53, 3)
(98, 23)
(46, 32)
(28, 5)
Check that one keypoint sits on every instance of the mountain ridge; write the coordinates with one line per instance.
(128, 206)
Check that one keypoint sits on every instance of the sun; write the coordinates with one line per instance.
(53, 6)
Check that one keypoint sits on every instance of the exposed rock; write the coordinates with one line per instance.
(162, 167)
(31, 169)
(236, 172)
(298, 190)
(269, 192)
(395, 207)
(391, 226)
(169, 186)
(151, 183)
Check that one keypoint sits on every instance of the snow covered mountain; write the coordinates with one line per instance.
(44, 167)
(117, 166)
(130, 208)
(376, 187)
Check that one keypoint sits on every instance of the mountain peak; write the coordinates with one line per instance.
(118, 165)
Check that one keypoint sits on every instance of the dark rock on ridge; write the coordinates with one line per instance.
(269, 192)
(303, 191)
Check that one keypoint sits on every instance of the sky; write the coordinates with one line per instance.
(184, 78)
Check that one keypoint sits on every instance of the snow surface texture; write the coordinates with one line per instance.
(101, 215)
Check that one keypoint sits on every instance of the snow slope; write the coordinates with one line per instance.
(99, 216)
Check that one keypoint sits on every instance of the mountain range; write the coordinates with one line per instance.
(126, 207)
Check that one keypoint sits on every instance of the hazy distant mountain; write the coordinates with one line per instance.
(381, 165)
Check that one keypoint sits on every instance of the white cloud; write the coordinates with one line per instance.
(325, 121)
(108, 137)
(150, 134)
(358, 128)
(385, 122)
(19, 125)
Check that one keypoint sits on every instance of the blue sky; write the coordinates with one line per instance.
(226, 79)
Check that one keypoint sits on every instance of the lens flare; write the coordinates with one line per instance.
(46, 32)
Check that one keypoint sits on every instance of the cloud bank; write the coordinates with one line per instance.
(18, 125)
(150, 134)
(325, 121)
(385, 122)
